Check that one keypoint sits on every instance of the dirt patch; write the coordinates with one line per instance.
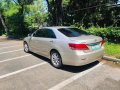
(113, 64)
(3, 38)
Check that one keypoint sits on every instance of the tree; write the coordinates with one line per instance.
(55, 10)
(22, 4)
(36, 14)
(84, 13)
(3, 23)
(88, 13)
(1, 17)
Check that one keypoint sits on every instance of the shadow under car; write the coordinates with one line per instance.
(73, 69)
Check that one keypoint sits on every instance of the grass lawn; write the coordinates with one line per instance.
(112, 50)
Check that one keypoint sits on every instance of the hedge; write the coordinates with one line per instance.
(111, 34)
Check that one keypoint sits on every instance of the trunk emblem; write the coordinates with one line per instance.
(95, 40)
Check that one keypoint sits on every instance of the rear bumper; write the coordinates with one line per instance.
(82, 59)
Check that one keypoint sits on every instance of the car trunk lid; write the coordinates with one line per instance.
(91, 41)
(86, 39)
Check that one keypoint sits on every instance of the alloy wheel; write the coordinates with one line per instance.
(56, 59)
(26, 47)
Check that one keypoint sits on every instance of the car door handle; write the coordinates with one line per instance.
(51, 41)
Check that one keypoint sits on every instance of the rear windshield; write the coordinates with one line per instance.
(72, 32)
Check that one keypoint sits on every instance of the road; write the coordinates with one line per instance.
(28, 71)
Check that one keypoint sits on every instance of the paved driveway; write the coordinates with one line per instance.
(22, 71)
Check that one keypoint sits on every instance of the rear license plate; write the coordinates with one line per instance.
(95, 47)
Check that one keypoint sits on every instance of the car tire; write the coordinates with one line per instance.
(56, 59)
(26, 47)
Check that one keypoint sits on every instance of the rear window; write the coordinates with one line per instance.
(72, 32)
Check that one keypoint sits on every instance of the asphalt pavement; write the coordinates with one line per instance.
(29, 71)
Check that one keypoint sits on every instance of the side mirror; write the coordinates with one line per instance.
(29, 35)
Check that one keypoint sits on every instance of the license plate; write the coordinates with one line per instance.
(95, 47)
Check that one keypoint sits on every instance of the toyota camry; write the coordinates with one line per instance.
(65, 45)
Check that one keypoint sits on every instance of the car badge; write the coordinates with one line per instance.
(95, 40)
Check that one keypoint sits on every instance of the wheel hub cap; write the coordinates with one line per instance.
(26, 47)
(55, 59)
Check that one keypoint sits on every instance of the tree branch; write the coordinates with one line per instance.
(3, 23)
(15, 2)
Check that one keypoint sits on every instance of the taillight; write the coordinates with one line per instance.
(102, 42)
(78, 46)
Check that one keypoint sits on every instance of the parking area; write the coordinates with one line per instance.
(28, 71)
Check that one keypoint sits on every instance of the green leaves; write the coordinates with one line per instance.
(11, 10)
(111, 34)
(35, 14)
(24, 2)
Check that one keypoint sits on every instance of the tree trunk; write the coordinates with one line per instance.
(55, 11)
(3, 23)
(59, 12)
(21, 24)
(51, 12)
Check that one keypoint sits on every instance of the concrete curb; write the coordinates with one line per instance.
(111, 59)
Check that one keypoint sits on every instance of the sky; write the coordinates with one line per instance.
(45, 4)
(119, 2)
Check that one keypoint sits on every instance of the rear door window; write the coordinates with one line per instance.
(51, 34)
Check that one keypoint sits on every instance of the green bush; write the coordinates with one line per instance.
(111, 34)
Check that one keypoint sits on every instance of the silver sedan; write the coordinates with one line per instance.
(65, 45)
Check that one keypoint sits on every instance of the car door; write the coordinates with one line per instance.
(35, 44)
(48, 41)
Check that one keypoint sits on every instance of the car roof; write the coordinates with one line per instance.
(57, 27)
